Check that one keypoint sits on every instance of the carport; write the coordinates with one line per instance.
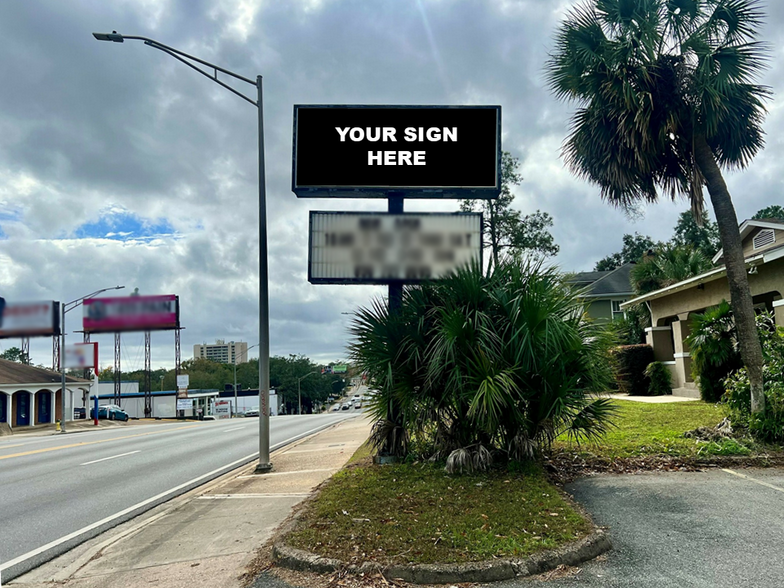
(31, 395)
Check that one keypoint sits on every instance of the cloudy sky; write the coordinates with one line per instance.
(119, 165)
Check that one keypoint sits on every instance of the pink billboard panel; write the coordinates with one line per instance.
(29, 319)
(131, 313)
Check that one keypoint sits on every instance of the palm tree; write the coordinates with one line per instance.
(666, 97)
(669, 265)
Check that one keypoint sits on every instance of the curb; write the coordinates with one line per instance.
(587, 548)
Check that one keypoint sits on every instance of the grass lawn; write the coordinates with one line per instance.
(415, 513)
(657, 430)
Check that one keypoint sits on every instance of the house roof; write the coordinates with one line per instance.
(617, 281)
(12, 372)
(760, 258)
(606, 284)
(588, 277)
(748, 226)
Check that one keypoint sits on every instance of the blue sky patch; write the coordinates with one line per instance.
(125, 226)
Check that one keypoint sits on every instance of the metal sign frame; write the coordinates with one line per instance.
(382, 191)
(383, 281)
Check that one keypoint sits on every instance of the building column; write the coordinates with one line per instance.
(681, 329)
(660, 338)
(32, 409)
(778, 312)
(5, 398)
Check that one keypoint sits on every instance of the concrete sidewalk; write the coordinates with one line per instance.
(208, 536)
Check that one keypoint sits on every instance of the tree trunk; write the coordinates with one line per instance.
(740, 293)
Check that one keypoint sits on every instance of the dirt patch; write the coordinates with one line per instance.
(565, 467)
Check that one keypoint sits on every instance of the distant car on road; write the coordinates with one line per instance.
(335, 408)
(346, 406)
(253, 412)
(357, 404)
(111, 412)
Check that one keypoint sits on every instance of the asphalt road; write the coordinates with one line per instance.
(58, 489)
(683, 530)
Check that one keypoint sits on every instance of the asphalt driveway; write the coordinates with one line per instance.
(706, 530)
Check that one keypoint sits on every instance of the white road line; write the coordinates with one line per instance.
(240, 496)
(750, 479)
(235, 429)
(112, 457)
(227, 467)
(125, 511)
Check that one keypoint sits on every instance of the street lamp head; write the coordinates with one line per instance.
(113, 36)
(119, 287)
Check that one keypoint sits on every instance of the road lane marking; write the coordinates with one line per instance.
(46, 449)
(123, 512)
(10, 446)
(241, 496)
(112, 457)
(54, 544)
(235, 429)
(750, 479)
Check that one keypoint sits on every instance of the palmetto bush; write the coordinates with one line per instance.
(475, 367)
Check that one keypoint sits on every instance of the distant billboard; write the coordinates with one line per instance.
(365, 151)
(81, 356)
(29, 319)
(132, 313)
(383, 248)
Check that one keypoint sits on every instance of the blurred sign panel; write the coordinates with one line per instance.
(81, 356)
(29, 319)
(422, 151)
(380, 248)
(184, 403)
(132, 313)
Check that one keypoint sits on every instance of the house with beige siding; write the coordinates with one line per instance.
(672, 307)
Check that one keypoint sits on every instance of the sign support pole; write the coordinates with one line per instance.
(395, 206)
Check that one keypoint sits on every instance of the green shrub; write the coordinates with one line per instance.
(714, 350)
(660, 379)
(477, 368)
(630, 364)
(768, 426)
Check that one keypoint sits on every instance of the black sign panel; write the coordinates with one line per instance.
(417, 151)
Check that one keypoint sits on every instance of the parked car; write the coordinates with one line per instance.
(111, 412)
(253, 412)
(80, 412)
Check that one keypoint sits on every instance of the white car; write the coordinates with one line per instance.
(335, 408)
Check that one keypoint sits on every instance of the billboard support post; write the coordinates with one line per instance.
(395, 294)
(65, 308)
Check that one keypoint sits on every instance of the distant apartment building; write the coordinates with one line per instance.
(222, 352)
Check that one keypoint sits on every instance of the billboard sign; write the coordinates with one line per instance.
(183, 381)
(29, 319)
(131, 313)
(384, 248)
(419, 151)
(81, 356)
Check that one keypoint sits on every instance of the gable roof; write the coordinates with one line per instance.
(750, 225)
(12, 372)
(606, 284)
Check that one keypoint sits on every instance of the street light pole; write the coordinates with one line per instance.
(264, 464)
(299, 393)
(65, 308)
